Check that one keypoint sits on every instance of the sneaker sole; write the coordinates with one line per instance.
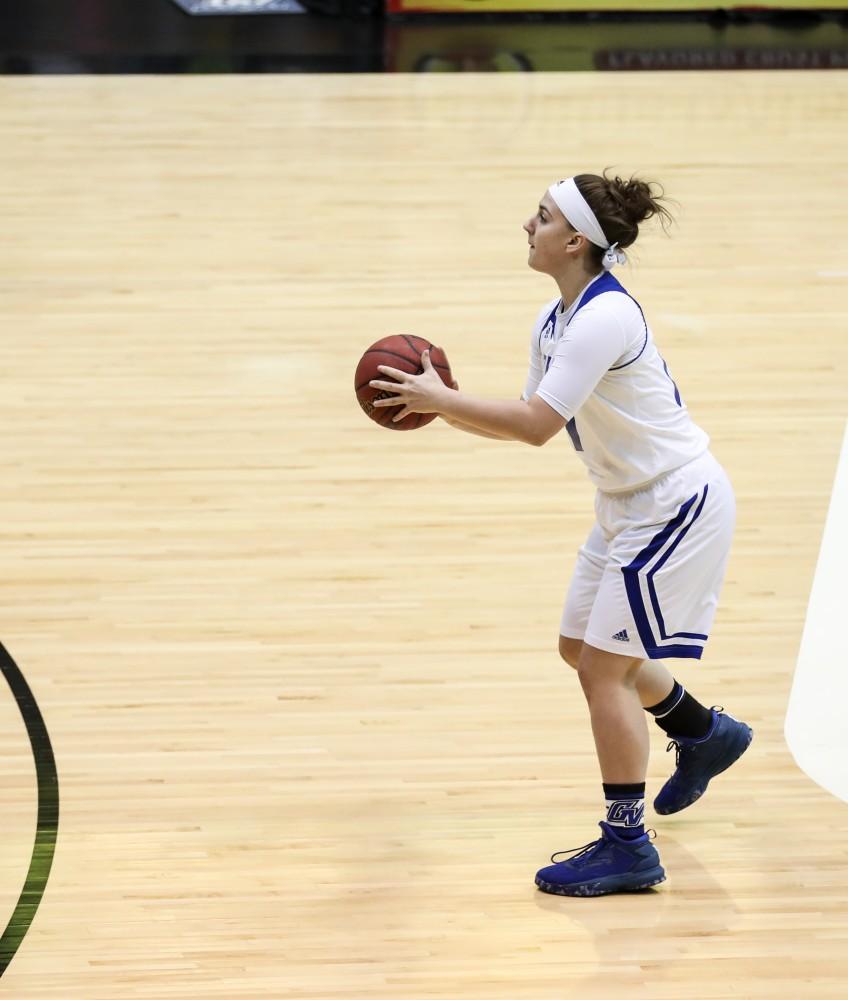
(665, 811)
(605, 886)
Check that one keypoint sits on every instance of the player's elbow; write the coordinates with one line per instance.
(541, 431)
(542, 423)
(534, 438)
(537, 436)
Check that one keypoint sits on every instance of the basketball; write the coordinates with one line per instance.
(404, 353)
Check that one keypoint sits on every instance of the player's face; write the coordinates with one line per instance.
(548, 233)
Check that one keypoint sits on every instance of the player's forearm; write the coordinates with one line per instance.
(460, 426)
(502, 418)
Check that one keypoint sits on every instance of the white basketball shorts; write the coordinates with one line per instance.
(648, 577)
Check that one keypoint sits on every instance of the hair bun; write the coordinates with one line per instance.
(620, 205)
(635, 198)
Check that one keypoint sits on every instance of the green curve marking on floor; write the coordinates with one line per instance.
(47, 824)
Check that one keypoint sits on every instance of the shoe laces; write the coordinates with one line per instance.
(583, 853)
(677, 751)
(678, 747)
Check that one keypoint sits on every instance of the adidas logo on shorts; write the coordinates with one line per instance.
(622, 636)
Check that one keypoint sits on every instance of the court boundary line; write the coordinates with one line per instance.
(47, 822)
(814, 726)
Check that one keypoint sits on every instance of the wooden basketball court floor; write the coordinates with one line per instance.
(312, 735)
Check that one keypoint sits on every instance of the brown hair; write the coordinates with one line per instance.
(620, 206)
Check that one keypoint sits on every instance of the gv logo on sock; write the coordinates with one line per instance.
(626, 812)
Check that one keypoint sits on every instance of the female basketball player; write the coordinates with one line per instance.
(648, 577)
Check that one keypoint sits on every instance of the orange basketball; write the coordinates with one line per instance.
(404, 353)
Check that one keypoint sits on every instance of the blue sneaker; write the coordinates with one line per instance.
(698, 761)
(611, 864)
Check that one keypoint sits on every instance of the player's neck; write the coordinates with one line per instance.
(571, 284)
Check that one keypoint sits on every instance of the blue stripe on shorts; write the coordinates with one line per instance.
(676, 529)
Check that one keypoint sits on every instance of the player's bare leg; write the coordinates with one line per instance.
(706, 741)
(618, 722)
(624, 859)
(654, 682)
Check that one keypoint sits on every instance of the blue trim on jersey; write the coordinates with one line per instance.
(677, 398)
(571, 427)
(616, 368)
(605, 283)
(552, 320)
(634, 591)
(608, 283)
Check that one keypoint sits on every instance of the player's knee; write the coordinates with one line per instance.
(599, 671)
(570, 650)
(588, 678)
(591, 679)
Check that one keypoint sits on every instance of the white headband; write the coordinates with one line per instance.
(582, 219)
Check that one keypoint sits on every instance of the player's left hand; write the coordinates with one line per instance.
(422, 393)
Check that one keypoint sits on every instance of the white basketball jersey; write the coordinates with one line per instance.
(597, 365)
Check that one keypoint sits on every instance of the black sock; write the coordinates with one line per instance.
(626, 809)
(681, 715)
